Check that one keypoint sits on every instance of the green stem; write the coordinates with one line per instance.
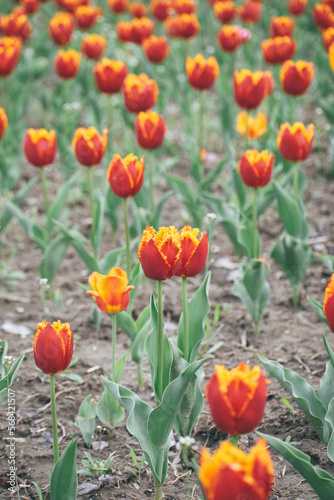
(151, 186)
(110, 126)
(295, 181)
(160, 353)
(45, 190)
(295, 295)
(201, 124)
(91, 191)
(185, 320)
(54, 419)
(113, 360)
(157, 491)
(257, 329)
(255, 249)
(127, 237)
(235, 439)
(140, 374)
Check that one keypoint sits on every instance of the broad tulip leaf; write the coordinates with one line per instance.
(64, 479)
(143, 317)
(138, 344)
(86, 420)
(53, 256)
(111, 259)
(7, 381)
(35, 233)
(246, 237)
(301, 391)
(317, 307)
(78, 242)
(6, 215)
(97, 226)
(108, 409)
(290, 214)
(293, 256)
(327, 260)
(318, 479)
(127, 325)
(252, 288)
(190, 197)
(112, 211)
(329, 428)
(326, 390)
(120, 365)
(328, 349)
(240, 188)
(198, 309)
(229, 218)
(213, 174)
(151, 347)
(59, 202)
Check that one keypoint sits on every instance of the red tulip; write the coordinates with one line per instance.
(225, 12)
(184, 6)
(183, 26)
(160, 9)
(126, 175)
(17, 24)
(53, 347)
(279, 49)
(194, 252)
(328, 307)
(93, 46)
(10, 51)
(281, 26)
(156, 48)
(150, 129)
(231, 37)
(3, 122)
(250, 11)
(87, 15)
(118, 6)
(140, 93)
(89, 146)
(202, 73)
(40, 146)
(297, 7)
(295, 141)
(61, 27)
(255, 168)
(296, 77)
(249, 88)
(67, 63)
(323, 16)
(109, 75)
(138, 9)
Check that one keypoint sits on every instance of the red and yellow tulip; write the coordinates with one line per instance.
(279, 49)
(3, 122)
(67, 63)
(225, 12)
(40, 146)
(281, 26)
(328, 307)
(202, 73)
(250, 88)
(87, 15)
(118, 6)
(255, 168)
(253, 127)
(296, 77)
(61, 27)
(93, 46)
(183, 26)
(297, 7)
(194, 252)
(150, 129)
(295, 141)
(126, 175)
(230, 37)
(140, 93)
(53, 347)
(89, 146)
(156, 48)
(10, 51)
(109, 75)
(111, 292)
(250, 11)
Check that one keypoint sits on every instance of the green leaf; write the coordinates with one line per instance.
(86, 420)
(151, 347)
(252, 287)
(318, 479)
(327, 260)
(6, 215)
(97, 226)
(326, 390)
(126, 324)
(111, 259)
(53, 256)
(329, 428)
(198, 309)
(155, 220)
(229, 218)
(301, 391)
(78, 243)
(317, 307)
(108, 410)
(35, 232)
(143, 317)
(120, 365)
(293, 256)
(64, 479)
(39, 491)
(290, 214)
(246, 237)
(240, 188)
(3, 351)
(59, 202)
(328, 349)
(213, 174)
(137, 345)
(111, 210)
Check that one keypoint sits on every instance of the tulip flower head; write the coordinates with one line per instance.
(323, 16)
(160, 9)
(53, 347)
(17, 24)
(202, 73)
(124, 31)
(93, 46)
(111, 292)
(231, 37)
(67, 63)
(30, 6)
(150, 129)
(3, 122)
(254, 127)
(295, 141)
(328, 37)
(40, 146)
(237, 398)
(156, 48)
(331, 56)
(126, 175)
(118, 6)
(87, 15)
(61, 27)
(160, 252)
(138, 9)
(232, 474)
(184, 6)
(297, 7)
(225, 11)
(296, 77)
(109, 75)
(10, 51)
(255, 168)
(250, 88)
(89, 146)
(250, 11)
(141, 28)
(328, 307)
(194, 252)
(140, 93)
(281, 26)
(279, 49)
(184, 26)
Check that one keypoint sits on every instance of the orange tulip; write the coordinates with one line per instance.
(53, 347)
(296, 77)
(93, 46)
(109, 75)
(232, 474)
(71, 5)
(255, 168)
(160, 252)
(89, 146)
(297, 7)
(160, 9)
(141, 28)
(126, 175)
(253, 127)
(194, 252)
(225, 12)
(10, 51)
(183, 26)
(295, 141)
(40, 146)
(279, 49)
(138, 9)
(231, 37)
(150, 129)
(124, 31)
(156, 48)
(140, 93)
(3, 122)
(118, 6)
(323, 16)
(281, 26)
(67, 63)
(202, 73)
(30, 6)
(111, 293)
(237, 398)
(328, 37)
(249, 89)
(331, 56)
(61, 27)
(250, 11)
(87, 15)
(184, 6)
(328, 307)
(17, 24)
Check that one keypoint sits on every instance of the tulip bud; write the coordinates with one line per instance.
(329, 303)
(110, 292)
(53, 347)
(40, 146)
(89, 146)
(126, 175)
(150, 129)
(295, 141)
